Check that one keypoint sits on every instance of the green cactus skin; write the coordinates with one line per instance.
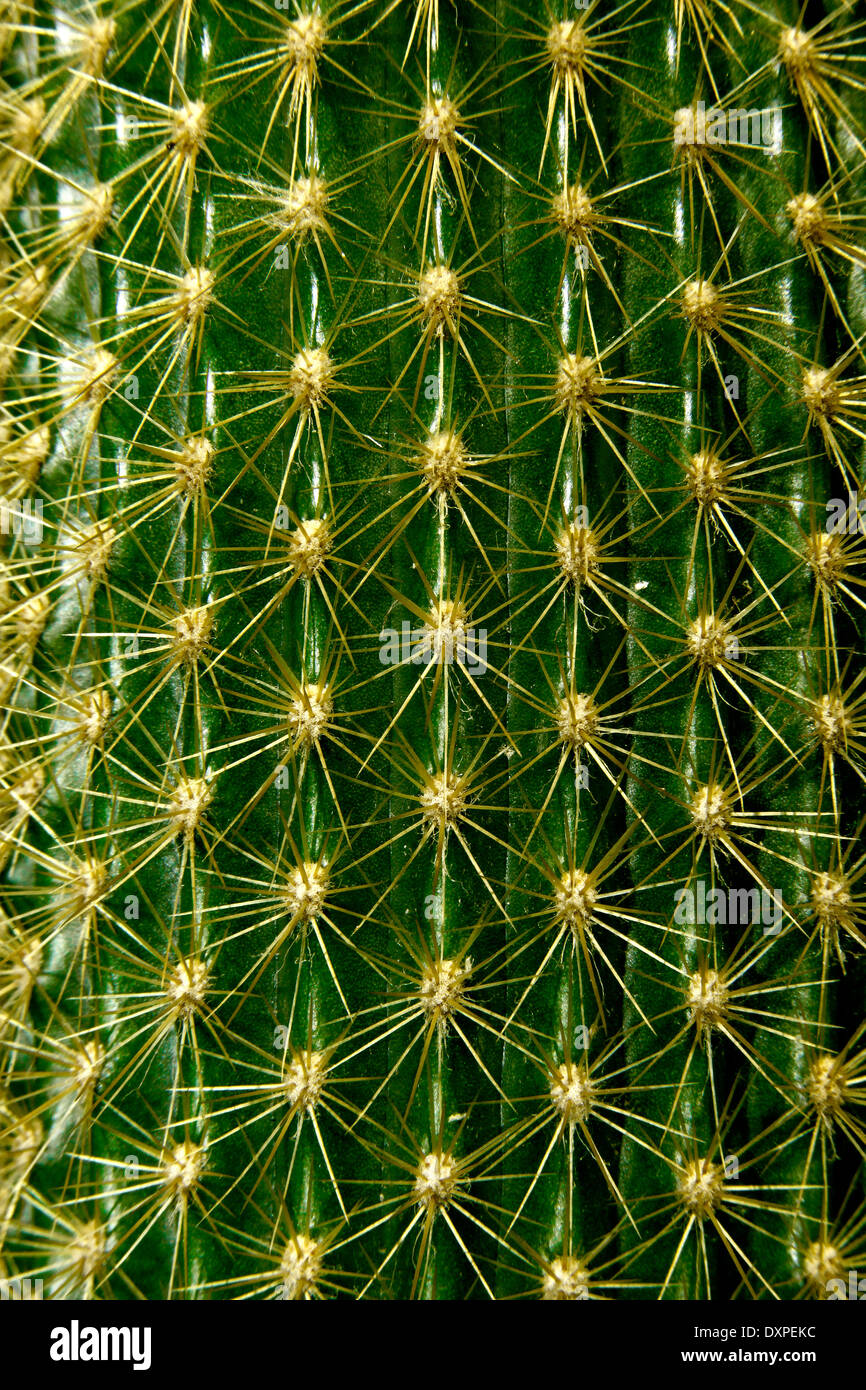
(788, 670)
(340, 964)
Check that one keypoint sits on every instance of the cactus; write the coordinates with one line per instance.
(431, 451)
